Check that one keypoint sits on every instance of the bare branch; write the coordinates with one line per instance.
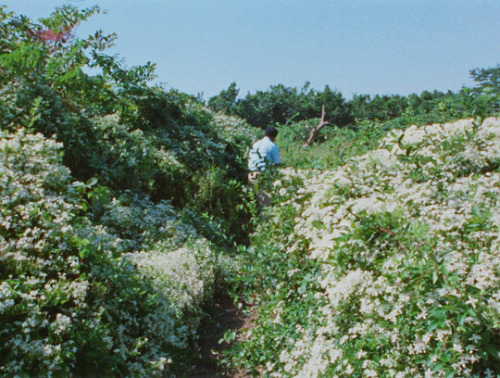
(313, 135)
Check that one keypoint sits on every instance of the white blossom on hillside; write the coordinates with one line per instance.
(408, 235)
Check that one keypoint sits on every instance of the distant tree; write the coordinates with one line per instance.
(359, 106)
(379, 108)
(488, 80)
(488, 90)
(279, 104)
(275, 105)
(337, 110)
(284, 102)
(255, 108)
(225, 100)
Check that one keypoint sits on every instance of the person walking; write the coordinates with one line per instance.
(264, 153)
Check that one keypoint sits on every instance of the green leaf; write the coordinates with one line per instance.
(93, 181)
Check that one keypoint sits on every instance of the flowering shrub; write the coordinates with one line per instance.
(137, 223)
(70, 301)
(186, 275)
(114, 127)
(105, 277)
(236, 130)
(404, 272)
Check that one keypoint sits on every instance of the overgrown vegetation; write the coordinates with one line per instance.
(117, 198)
(388, 265)
(72, 299)
(125, 207)
(113, 126)
(354, 126)
(280, 104)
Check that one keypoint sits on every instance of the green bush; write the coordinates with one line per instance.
(164, 145)
(70, 301)
(387, 265)
(334, 147)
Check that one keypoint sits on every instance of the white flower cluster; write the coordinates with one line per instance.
(409, 239)
(234, 128)
(138, 223)
(67, 297)
(183, 278)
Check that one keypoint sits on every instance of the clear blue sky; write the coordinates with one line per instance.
(354, 46)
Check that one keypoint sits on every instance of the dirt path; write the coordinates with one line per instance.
(223, 316)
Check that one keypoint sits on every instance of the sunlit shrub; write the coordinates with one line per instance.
(334, 147)
(70, 301)
(114, 127)
(405, 271)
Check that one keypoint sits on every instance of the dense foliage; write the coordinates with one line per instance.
(113, 126)
(388, 265)
(279, 105)
(72, 301)
(121, 202)
(116, 198)
(374, 117)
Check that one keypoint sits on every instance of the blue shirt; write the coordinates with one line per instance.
(262, 152)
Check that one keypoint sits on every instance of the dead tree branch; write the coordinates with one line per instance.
(313, 135)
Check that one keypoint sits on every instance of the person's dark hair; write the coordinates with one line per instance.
(271, 132)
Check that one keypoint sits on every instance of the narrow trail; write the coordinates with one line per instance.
(223, 316)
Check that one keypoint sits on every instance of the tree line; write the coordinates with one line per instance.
(280, 104)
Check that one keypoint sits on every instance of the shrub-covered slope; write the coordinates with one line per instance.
(71, 301)
(95, 281)
(116, 199)
(113, 126)
(389, 265)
